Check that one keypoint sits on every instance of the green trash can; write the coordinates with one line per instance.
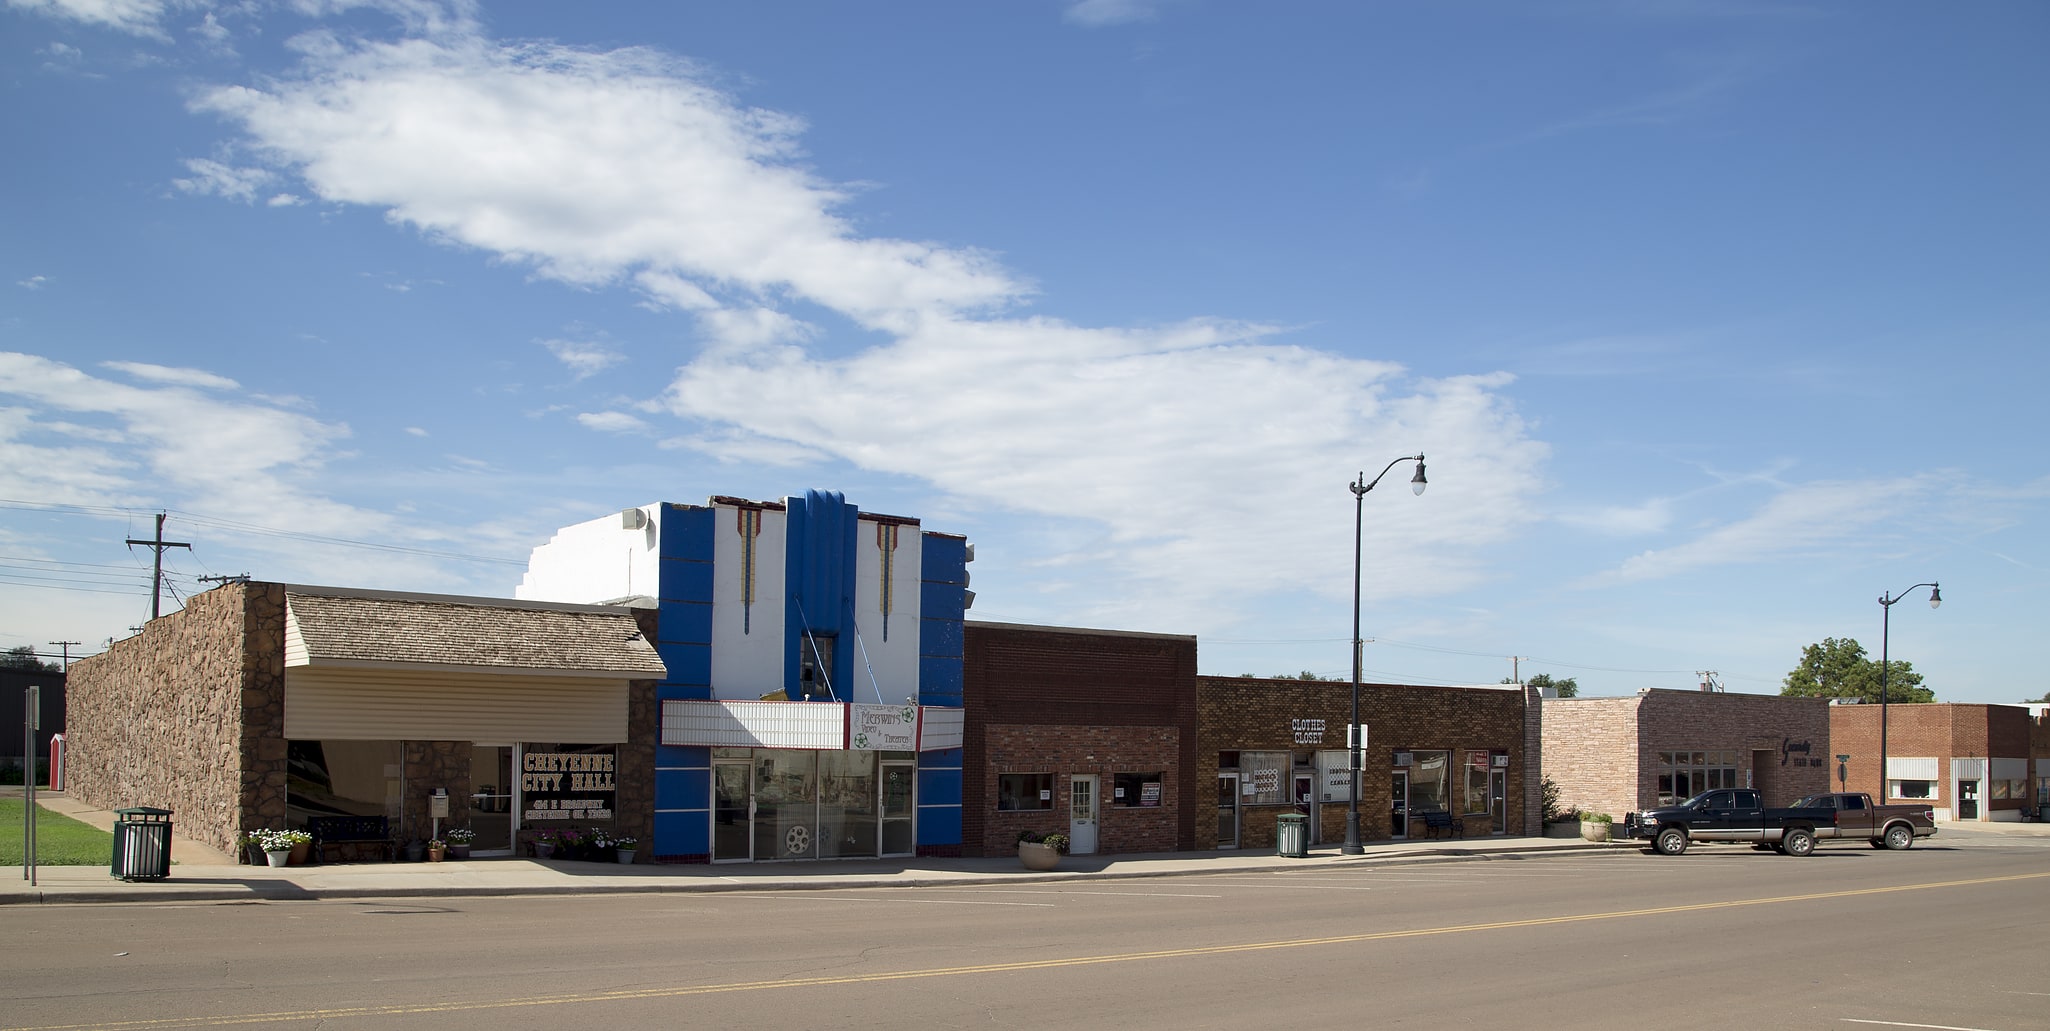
(142, 844)
(1292, 835)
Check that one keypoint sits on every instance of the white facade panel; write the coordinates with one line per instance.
(940, 727)
(886, 666)
(817, 725)
(1910, 768)
(748, 635)
(1967, 769)
(2010, 769)
(410, 705)
(596, 561)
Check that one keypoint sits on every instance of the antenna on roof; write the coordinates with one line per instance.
(1708, 682)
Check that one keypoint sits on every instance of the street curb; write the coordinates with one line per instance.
(288, 891)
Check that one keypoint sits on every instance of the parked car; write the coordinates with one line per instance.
(1739, 815)
(1886, 826)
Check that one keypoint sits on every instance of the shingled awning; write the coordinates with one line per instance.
(371, 665)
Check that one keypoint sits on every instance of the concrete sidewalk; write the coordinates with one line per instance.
(199, 873)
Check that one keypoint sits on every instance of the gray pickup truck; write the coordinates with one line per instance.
(1738, 815)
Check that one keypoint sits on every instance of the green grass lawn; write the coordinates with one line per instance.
(60, 840)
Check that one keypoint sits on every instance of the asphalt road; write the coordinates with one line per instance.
(1944, 936)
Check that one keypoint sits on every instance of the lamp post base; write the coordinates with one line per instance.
(1352, 846)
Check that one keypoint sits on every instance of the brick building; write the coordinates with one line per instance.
(1271, 746)
(1968, 762)
(1091, 733)
(1617, 755)
(258, 705)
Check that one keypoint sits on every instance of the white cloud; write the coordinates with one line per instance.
(416, 431)
(176, 377)
(1652, 516)
(135, 17)
(1805, 520)
(33, 282)
(612, 422)
(583, 357)
(1095, 13)
(213, 177)
(1203, 464)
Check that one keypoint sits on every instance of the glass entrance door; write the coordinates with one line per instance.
(899, 808)
(1398, 804)
(732, 812)
(1082, 814)
(1498, 800)
(491, 800)
(1228, 809)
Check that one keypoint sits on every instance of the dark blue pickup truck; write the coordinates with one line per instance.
(1737, 814)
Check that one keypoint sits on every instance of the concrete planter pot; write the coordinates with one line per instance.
(1038, 857)
(1593, 830)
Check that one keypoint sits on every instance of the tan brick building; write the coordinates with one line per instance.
(1968, 762)
(1273, 746)
(1616, 755)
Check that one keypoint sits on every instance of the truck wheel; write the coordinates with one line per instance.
(1900, 837)
(1671, 842)
(1798, 842)
(1878, 842)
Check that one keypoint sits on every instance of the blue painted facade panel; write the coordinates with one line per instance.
(819, 570)
(939, 826)
(939, 680)
(940, 638)
(684, 783)
(686, 622)
(690, 665)
(683, 834)
(686, 579)
(686, 532)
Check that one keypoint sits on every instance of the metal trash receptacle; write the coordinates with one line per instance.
(1292, 835)
(142, 844)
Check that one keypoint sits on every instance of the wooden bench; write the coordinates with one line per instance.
(1437, 820)
(348, 832)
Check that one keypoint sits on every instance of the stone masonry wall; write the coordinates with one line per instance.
(188, 716)
(1590, 753)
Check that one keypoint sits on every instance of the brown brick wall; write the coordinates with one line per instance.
(188, 716)
(1065, 701)
(1945, 731)
(1258, 714)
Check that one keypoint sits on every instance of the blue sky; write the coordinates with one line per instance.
(1716, 320)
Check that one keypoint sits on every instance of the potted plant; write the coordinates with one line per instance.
(277, 848)
(623, 849)
(1039, 851)
(436, 849)
(1595, 826)
(544, 845)
(459, 841)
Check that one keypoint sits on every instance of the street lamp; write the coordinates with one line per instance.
(1885, 614)
(1352, 846)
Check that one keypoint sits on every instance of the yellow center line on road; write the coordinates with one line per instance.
(410, 1009)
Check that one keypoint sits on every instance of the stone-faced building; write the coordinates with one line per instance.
(1968, 762)
(1657, 747)
(1089, 733)
(1273, 746)
(259, 705)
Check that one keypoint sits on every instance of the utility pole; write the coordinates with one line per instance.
(1516, 669)
(156, 592)
(66, 645)
(231, 578)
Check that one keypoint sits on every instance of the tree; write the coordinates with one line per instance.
(1840, 669)
(24, 657)
(1567, 688)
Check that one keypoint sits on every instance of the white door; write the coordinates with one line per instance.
(1082, 814)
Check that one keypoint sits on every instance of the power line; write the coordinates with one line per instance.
(265, 531)
(157, 579)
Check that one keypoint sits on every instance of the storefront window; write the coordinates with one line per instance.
(567, 784)
(1140, 790)
(1476, 783)
(1430, 780)
(342, 778)
(786, 803)
(1913, 789)
(1263, 778)
(1023, 791)
(847, 804)
(1682, 775)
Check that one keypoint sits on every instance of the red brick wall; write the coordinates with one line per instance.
(1064, 701)
(1603, 752)
(1943, 730)
(1256, 714)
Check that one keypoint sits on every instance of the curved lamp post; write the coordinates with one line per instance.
(1885, 612)
(1352, 846)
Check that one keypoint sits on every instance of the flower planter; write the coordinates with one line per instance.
(1038, 857)
(1591, 830)
(544, 850)
(458, 851)
(625, 856)
(300, 850)
(279, 858)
